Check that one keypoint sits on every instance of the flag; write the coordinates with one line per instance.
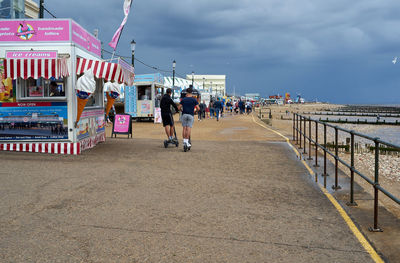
(115, 39)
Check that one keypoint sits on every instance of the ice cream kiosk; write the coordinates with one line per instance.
(142, 100)
(51, 86)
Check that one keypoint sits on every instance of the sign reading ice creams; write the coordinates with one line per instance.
(31, 55)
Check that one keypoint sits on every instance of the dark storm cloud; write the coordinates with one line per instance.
(317, 48)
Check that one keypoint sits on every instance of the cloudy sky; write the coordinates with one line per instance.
(333, 50)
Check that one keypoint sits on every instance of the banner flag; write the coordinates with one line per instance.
(115, 39)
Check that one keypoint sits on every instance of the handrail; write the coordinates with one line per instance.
(300, 131)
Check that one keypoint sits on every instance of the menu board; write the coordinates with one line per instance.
(131, 101)
(122, 125)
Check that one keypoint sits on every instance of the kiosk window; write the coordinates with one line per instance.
(144, 92)
(42, 88)
(96, 98)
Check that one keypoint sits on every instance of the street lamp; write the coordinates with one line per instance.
(192, 78)
(210, 86)
(133, 45)
(173, 79)
(203, 83)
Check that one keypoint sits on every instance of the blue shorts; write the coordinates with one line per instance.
(187, 120)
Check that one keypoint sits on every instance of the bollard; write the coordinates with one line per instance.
(376, 184)
(336, 186)
(352, 203)
(309, 140)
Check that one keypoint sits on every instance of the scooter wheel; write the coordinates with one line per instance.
(185, 148)
(177, 144)
(165, 144)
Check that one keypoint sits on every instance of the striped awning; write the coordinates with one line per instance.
(35, 68)
(101, 70)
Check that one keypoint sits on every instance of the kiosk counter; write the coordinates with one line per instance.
(40, 64)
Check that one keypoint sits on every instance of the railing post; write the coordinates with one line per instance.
(294, 124)
(316, 144)
(309, 140)
(301, 135)
(325, 174)
(352, 203)
(297, 128)
(336, 186)
(376, 191)
(305, 135)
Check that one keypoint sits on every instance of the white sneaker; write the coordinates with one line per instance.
(188, 144)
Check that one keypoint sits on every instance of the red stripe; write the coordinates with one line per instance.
(18, 67)
(26, 69)
(59, 148)
(96, 66)
(101, 70)
(5, 68)
(39, 68)
(114, 71)
(108, 72)
(90, 62)
(33, 70)
(46, 69)
(53, 68)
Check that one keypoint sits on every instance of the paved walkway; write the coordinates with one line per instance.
(240, 195)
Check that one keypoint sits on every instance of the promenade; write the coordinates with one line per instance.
(240, 195)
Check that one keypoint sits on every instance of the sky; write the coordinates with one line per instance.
(331, 51)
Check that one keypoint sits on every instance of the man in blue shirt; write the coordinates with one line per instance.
(218, 107)
(188, 105)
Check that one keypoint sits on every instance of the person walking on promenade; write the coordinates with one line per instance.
(218, 107)
(166, 114)
(202, 111)
(211, 107)
(241, 106)
(188, 105)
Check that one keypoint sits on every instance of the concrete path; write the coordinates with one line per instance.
(240, 195)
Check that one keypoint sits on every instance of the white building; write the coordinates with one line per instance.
(215, 84)
(31, 9)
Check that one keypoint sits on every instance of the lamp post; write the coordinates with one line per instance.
(41, 9)
(173, 79)
(203, 83)
(133, 45)
(192, 78)
(210, 86)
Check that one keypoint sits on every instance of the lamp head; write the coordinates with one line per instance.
(133, 45)
(173, 64)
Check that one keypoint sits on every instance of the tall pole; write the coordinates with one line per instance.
(203, 83)
(41, 8)
(133, 46)
(192, 78)
(173, 79)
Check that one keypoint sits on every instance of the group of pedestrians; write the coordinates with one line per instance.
(188, 106)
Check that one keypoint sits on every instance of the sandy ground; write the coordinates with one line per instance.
(240, 195)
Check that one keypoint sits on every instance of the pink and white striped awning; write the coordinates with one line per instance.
(101, 70)
(35, 68)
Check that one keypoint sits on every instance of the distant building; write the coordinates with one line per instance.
(252, 96)
(12, 9)
(213, 84)
(15, 9)
(31, 9)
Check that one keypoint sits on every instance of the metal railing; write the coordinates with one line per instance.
(300, 137)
